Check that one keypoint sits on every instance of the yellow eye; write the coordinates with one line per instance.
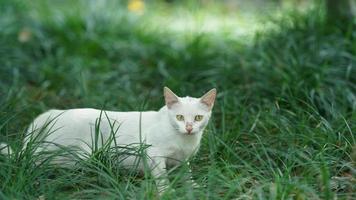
(198, 118)
(180, 117)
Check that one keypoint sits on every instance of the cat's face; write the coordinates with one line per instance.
(189, 115)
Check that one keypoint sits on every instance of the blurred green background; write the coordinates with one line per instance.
(284, 123)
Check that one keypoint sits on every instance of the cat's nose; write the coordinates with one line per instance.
(189, 128)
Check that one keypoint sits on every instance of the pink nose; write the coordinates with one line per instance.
(189, 129)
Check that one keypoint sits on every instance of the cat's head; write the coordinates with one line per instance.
(189, 115)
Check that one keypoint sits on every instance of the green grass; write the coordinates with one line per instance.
(283, 126)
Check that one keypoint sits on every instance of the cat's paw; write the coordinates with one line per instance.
(166, 191)
(195, 184)
(162, 189)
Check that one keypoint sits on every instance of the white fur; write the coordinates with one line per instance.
(5, 149)
(170, 143)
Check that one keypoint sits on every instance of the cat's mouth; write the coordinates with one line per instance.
(189, 133)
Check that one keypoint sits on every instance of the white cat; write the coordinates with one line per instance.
(173, 133)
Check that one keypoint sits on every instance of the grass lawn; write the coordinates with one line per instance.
(283, 126)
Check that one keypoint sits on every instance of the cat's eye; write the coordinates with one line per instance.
(198, 118)
(180, 117)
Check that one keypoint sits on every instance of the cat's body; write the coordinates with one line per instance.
(76, 128)
(172, 134)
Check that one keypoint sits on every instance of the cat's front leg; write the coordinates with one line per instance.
(159, 172)
(191, 179)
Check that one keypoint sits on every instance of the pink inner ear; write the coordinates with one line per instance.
(170, 103)
(208, 101)
(209, 98)
(169, 97)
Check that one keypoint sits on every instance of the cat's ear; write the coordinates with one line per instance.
(209, 98)
(169, 97)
